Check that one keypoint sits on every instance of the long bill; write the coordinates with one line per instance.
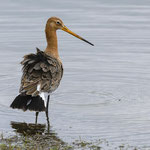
(72, 33)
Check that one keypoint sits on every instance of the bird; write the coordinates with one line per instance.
(42, 71)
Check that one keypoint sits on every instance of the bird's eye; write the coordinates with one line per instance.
(57, 22)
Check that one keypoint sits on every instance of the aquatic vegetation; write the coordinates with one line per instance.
(47, 142)
(30, 136)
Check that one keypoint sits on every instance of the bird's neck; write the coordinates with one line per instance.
(52, 48)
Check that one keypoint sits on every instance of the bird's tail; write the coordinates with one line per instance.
(27, 102)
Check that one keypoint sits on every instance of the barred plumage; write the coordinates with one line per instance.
(40, 70)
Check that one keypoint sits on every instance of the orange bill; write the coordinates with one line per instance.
(72, 33)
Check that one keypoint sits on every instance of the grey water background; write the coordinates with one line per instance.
(105, 90)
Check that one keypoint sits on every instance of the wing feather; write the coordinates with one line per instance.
(40, 69)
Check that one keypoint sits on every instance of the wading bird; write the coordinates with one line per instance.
(42, 72)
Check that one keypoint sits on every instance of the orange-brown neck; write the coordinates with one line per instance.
(51, 37)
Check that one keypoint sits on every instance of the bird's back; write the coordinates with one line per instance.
(41, 73)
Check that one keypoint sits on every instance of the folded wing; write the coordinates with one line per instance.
(41, 73)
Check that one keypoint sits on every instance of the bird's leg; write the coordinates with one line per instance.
(48, 124)
(36, 114)
(47, 117)
(47, 105)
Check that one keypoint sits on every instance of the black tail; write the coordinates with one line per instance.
(27, 102)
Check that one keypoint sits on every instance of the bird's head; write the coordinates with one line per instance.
(55, 23)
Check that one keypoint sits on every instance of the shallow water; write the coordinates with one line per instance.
(104, 93)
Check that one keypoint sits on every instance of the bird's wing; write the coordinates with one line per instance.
(41, 73)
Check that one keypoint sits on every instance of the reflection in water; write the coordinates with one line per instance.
(31, 128)
(41, 134)
(36, 135)
(28, 128)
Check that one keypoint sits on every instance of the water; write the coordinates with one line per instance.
(104, 93)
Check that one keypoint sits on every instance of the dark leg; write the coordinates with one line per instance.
(48, 125)
(47, 105)
(36, 114)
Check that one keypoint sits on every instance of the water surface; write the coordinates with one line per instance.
(104, 93)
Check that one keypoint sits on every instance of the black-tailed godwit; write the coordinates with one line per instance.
(42, 72)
